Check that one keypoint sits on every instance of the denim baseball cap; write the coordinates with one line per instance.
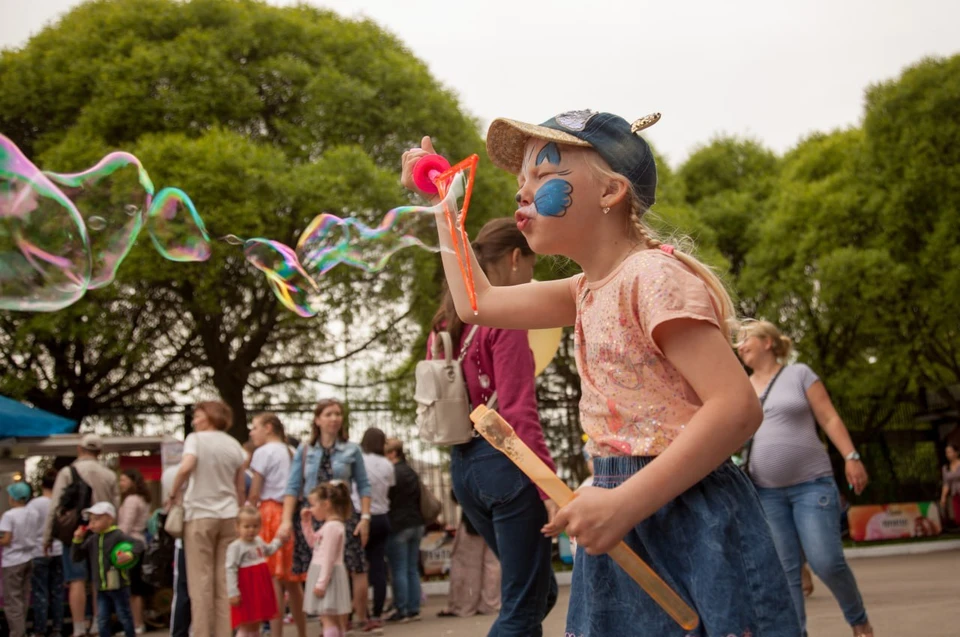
(614, 139)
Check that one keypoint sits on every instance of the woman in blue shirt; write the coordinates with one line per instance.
(328, 456)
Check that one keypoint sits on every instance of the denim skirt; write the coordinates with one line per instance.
(711, 544)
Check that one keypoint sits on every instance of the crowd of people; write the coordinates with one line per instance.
(305, 529)
(297, 529)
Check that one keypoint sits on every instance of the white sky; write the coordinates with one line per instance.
(772, 69)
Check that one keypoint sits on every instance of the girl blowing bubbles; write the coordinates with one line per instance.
(665, 401)
(249, 583)
(327, 590)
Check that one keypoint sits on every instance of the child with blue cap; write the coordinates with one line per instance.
(17, 537)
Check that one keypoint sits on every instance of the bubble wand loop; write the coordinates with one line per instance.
(501, 435)
(434, 174)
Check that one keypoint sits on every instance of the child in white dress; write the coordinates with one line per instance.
(328, 590)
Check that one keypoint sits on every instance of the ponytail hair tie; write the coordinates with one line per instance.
(666, 247)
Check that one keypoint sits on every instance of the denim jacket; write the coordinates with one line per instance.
(347, 466)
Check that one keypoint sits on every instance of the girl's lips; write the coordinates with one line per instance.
(524, 216)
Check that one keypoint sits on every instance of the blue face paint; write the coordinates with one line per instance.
(553, 198)
(550, 154)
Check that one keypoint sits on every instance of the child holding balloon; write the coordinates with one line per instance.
(109, 554)
(664, 400)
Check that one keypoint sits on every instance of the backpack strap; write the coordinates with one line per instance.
(466, 343)
(444, 341)
(75, 475)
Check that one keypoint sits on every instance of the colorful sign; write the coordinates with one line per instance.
(894, 521)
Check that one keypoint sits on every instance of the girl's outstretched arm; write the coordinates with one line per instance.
(533, 305)
(731, 413)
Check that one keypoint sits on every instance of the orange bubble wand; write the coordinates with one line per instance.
(501, 435)
(434, 174)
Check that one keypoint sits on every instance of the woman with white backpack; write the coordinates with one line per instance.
(499, 500)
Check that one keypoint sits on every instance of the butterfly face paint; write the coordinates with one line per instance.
(554, 197)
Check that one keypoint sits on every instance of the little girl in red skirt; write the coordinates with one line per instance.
(249, 584)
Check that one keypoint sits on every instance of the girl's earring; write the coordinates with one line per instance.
(606, 210)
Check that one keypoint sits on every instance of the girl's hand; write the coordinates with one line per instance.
(319, 591)
(410, 159)
(306, 516)
(235, 601)
(552, 510)
(594, 518)
(363, 530)
(856, 475)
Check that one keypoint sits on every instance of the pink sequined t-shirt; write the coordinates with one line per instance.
(634, 402)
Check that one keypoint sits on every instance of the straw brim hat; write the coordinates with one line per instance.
(506, 139)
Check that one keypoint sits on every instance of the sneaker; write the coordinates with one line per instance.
(412, 617)
(396, 617)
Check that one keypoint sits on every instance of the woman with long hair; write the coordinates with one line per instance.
(500, 502)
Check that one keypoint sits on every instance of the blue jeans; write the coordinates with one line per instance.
(710, 544)
(403, 554)
(504, 506)
(48, 594)
(805, 520)
(110, 602)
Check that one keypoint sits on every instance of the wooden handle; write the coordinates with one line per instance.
(501, 435)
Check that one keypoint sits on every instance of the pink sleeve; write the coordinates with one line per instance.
(664, 290)
(308, 533)
(331, 545)
(513, 368)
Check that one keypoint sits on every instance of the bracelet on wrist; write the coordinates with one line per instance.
(853, 455)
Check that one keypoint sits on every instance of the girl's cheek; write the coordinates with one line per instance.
(554, 198)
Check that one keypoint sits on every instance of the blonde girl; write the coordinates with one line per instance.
(664, 401)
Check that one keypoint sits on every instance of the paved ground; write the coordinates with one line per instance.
(905, 596)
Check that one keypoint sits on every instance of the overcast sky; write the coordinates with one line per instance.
(774, 70)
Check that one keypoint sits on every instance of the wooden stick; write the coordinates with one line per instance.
(501, 435)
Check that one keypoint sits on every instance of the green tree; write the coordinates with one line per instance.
(729, 181)
(266, 117)
(912, 143)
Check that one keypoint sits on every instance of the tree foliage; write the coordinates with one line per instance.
(266, 117)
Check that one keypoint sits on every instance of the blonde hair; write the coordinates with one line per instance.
(781, 345)
(394, 444)
(248, 511)
(642, 232)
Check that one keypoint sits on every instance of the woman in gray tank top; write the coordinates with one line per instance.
(790, 467)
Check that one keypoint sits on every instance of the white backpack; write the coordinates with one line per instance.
(443, 404)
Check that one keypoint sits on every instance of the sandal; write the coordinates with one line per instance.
(446, 613)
